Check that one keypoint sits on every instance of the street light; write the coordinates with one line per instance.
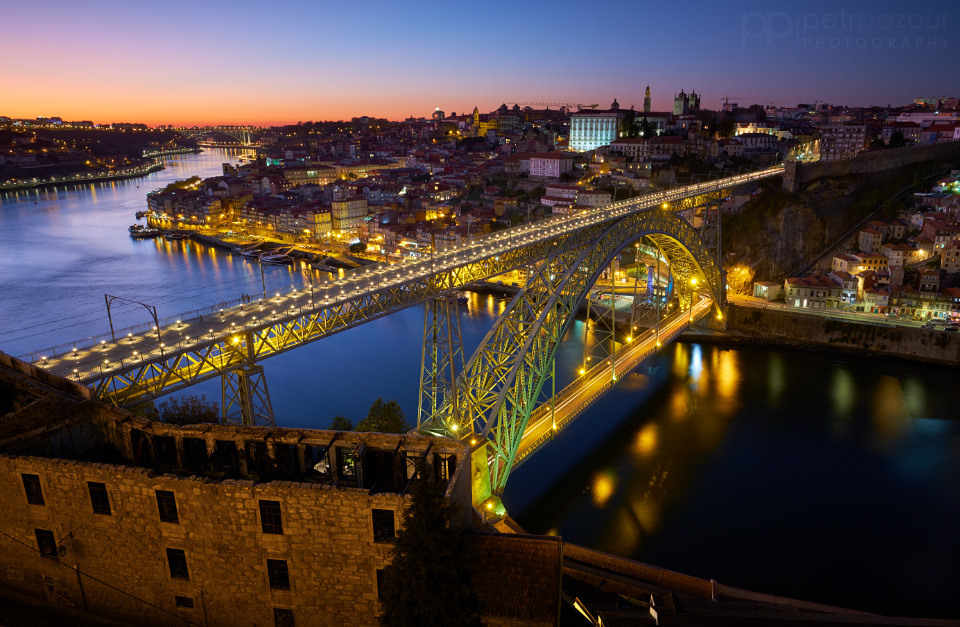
(693, 284)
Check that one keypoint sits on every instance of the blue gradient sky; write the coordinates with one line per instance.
(267, 63)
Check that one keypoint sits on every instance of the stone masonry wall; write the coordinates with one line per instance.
(797, 174)
(800, 329)
(327, 542)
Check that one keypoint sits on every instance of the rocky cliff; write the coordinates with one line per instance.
(779, 231)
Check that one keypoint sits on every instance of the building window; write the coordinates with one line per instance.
(384, 528)
(46, 543)
(283, 618)
(186, 602)
(31, 483)
(445, 464)
(167, 505)
(270, 518)
(99, 498)
(278, 574)
(177, 560)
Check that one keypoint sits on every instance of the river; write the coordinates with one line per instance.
(826, 478)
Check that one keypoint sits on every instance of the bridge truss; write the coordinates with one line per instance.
(493, 399)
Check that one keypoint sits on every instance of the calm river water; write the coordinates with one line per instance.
(823, 478)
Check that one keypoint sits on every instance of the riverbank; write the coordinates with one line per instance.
(87, 178)
(171, 153)
(748, 326)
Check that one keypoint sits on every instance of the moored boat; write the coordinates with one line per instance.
(276, 259)
(138, 231)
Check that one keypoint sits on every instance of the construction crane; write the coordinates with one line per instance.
(726, 100)
(565, 105)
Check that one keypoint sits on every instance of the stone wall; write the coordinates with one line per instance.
(116, 565)
(775, 326)
(21, 383)
(798, 174)
(327, 542)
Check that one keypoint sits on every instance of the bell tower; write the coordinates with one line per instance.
(646, 100)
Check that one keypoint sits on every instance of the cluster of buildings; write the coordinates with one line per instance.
(400, 188)
(446, 178)
(908, 267)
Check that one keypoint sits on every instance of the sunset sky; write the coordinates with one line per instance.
(247, 62)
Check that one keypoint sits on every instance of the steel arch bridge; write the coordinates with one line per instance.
(494, 397)
(242, 134)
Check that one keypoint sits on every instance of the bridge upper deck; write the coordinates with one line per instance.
(222, 340)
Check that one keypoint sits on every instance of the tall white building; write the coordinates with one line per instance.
(550, 164)
(592, 128)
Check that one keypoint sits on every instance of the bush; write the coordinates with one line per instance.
(341, 423)
(189, 410)
(384, 418)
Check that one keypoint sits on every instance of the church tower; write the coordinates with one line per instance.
(646, 100)
(681, 103)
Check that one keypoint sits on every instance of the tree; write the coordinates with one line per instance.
(341, 423)
(183, 184)
(876, 142)
(429, 581)
(646, 129)
(628, 126)
(358, 247)
(146, 410)
(384, 418)
(897, 140)
(189, 410)
(725, 128)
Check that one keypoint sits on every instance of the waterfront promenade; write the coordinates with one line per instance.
(83, 177)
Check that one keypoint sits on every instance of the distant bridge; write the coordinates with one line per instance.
(242, 134)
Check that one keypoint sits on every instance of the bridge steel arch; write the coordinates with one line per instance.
(501, 384)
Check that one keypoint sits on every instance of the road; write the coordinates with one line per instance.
(575, 397)
(836, 314)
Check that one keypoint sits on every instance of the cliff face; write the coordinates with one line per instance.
(779, 231)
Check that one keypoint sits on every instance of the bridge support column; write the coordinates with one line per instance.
(440, 364)
(246, 400)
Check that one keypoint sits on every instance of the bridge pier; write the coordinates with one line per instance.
(440, 364)
(245, 398)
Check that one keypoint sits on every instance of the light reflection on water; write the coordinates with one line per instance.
(711, 461)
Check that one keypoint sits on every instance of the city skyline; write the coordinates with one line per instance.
(237, 64)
